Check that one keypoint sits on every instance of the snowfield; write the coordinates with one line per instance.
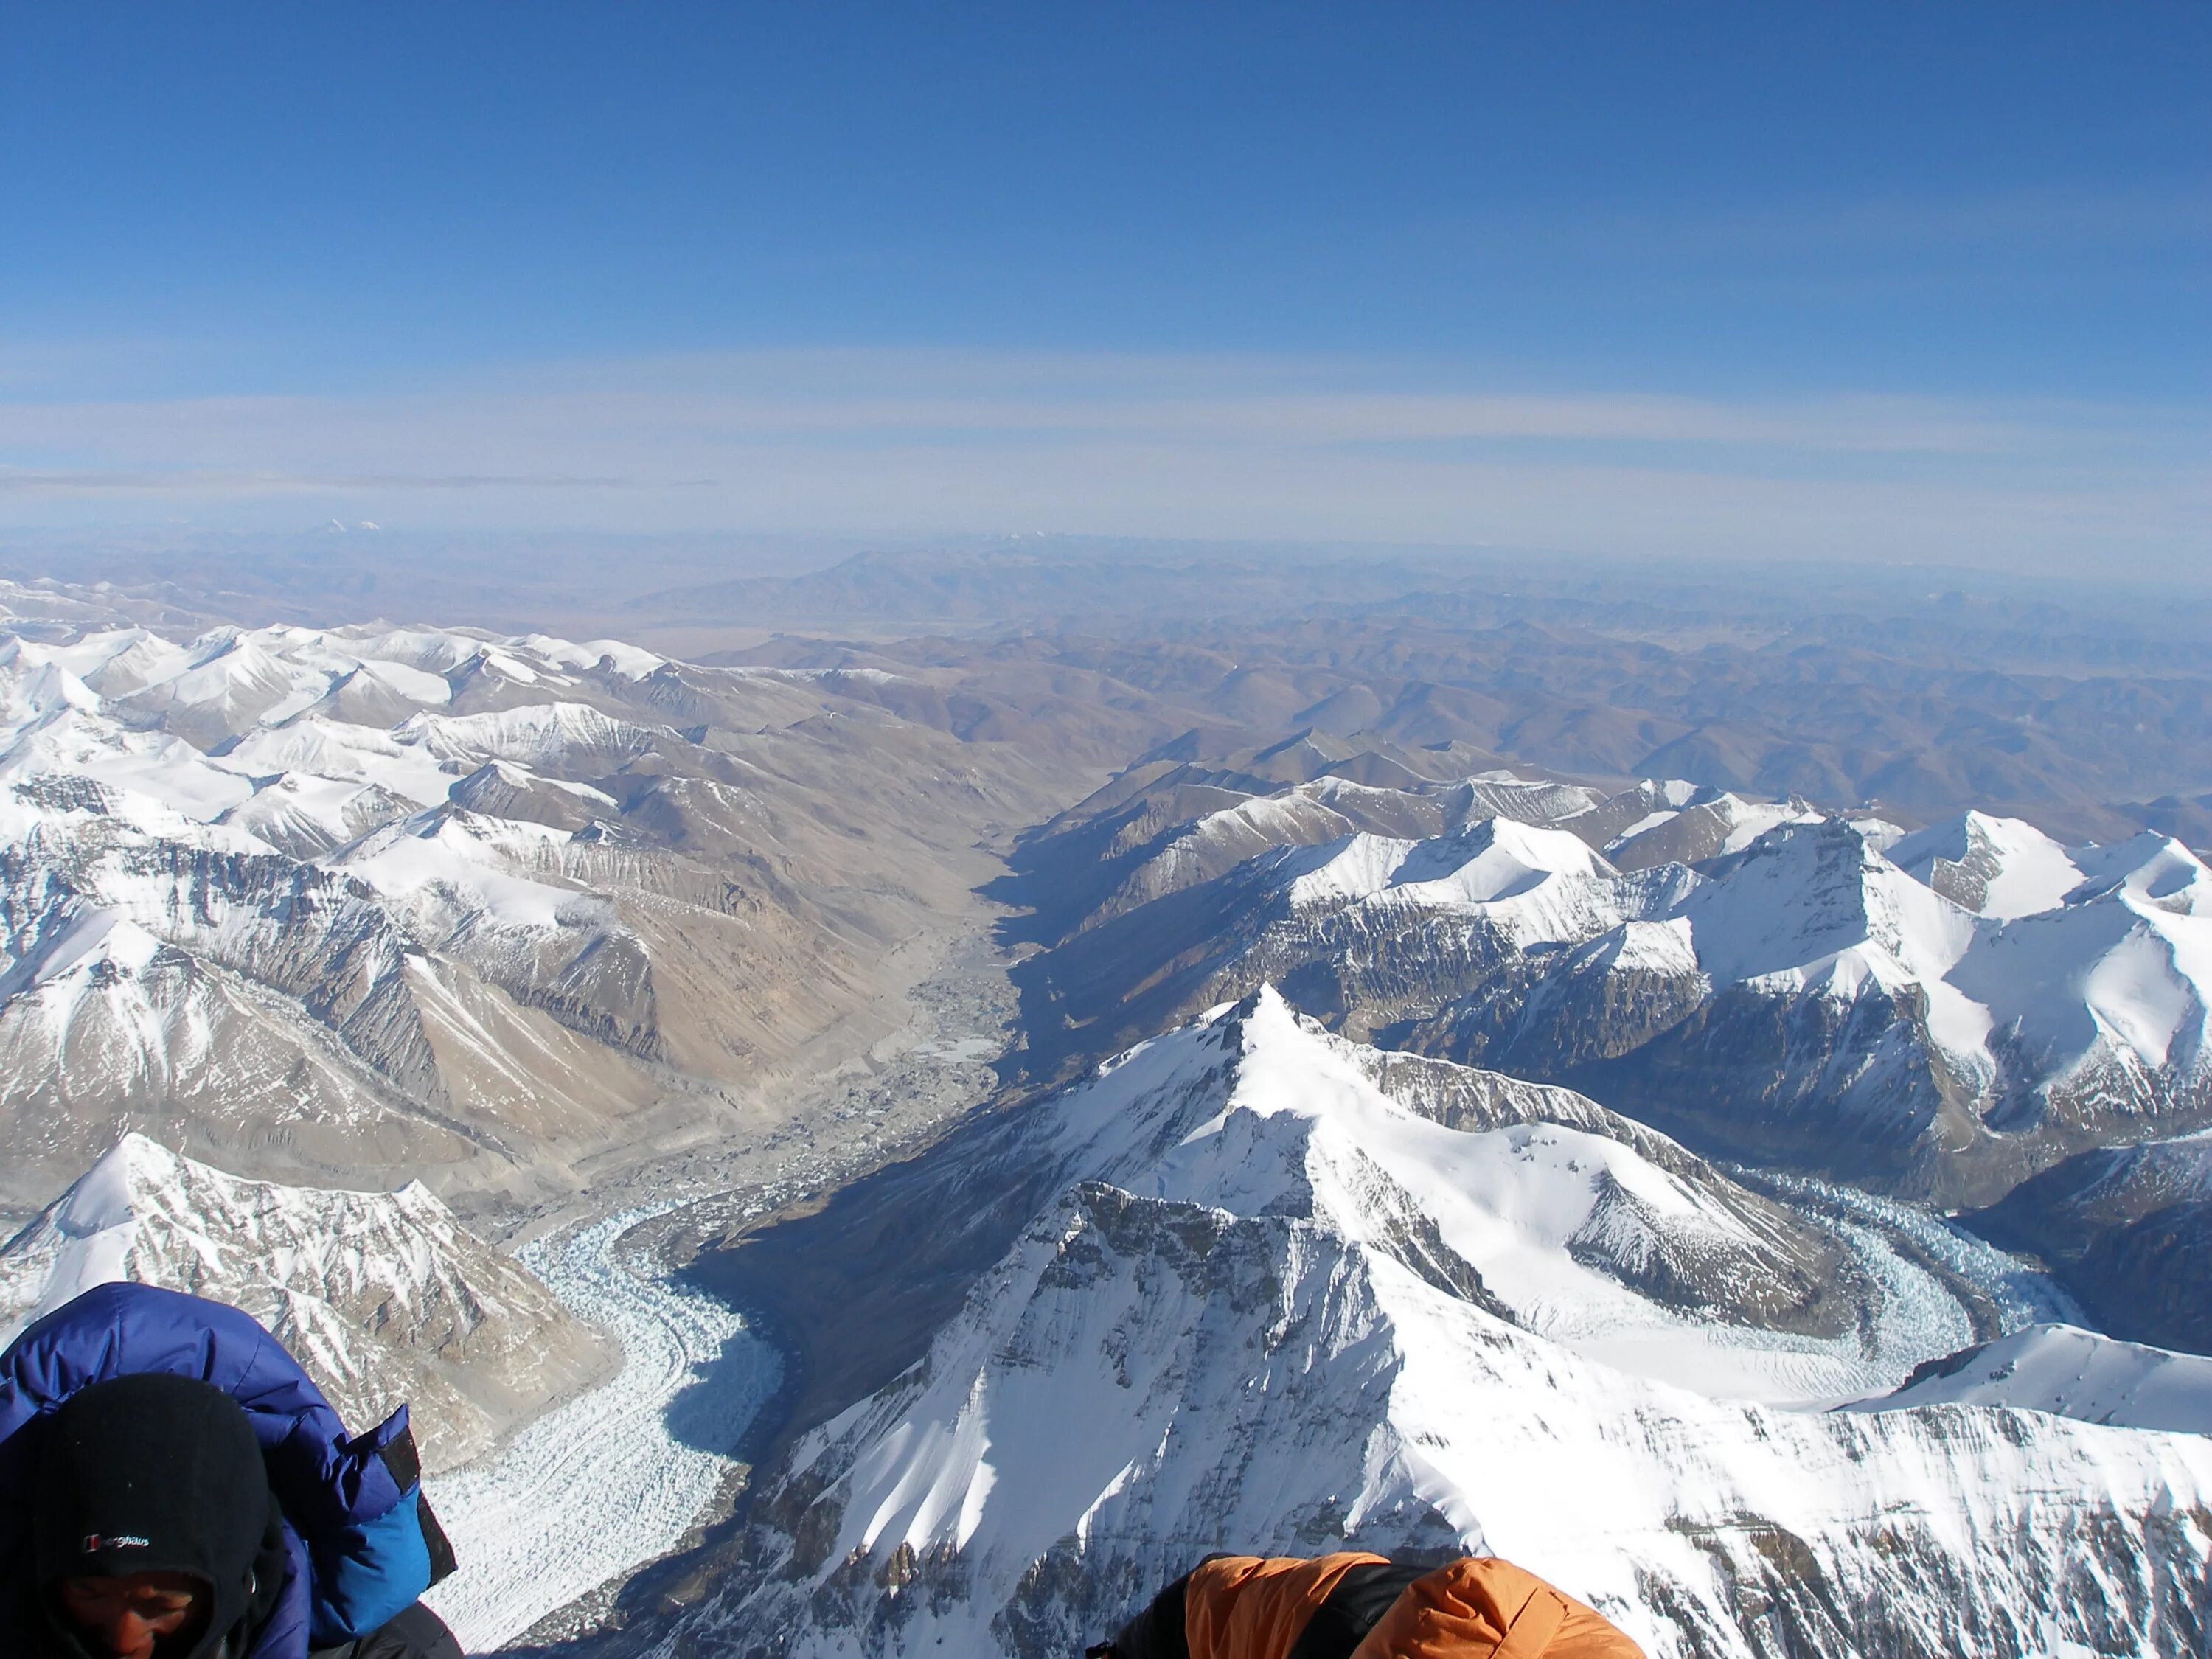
(602, 1485)
(2072, 1372)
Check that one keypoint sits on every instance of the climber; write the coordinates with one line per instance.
(173, 1486)
(1362, 1606)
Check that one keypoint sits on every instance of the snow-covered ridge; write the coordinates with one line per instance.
(1996, 867)
(383, 1296)
(1295, 1313)
(1494, 862)
(2070, 1371)
(1815, 904)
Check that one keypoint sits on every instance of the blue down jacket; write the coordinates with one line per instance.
(362, 1544)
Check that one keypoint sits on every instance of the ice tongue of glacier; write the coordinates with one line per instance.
(383, 1296)
(1227, 1333)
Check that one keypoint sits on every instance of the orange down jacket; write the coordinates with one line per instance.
(1362, 1606)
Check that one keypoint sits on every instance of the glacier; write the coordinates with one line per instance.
(603, 1485)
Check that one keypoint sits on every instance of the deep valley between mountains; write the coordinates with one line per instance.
(903, 1144)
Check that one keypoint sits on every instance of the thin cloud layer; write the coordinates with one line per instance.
(918, 443)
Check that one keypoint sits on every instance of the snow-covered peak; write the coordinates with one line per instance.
(381, 1295)
(1834, 993)
(545, 737)
(2123, 968)
(1688, 825)
(456, 859)
(112, 661)
(1998, 867)
(2152, 872)
(1495, 859)
(436, 651)
(399, 761)
(90, 1235)
(1279, 817)
(1602, 1233)
(1498, 858)
(1540, 801)
(1289, 1376)
(1804, 894)
(230, 682)
(41, 688)
(627, 661)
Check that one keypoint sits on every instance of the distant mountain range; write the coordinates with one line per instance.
(2085, 708)
(374, 904)
(1918, 727)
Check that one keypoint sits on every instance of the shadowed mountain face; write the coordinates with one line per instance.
(2129, 1230)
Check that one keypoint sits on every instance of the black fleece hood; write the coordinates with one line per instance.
(159, 1474)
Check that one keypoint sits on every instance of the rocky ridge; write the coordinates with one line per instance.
(2127, 1230)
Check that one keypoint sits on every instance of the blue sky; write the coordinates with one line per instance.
(1868, 281)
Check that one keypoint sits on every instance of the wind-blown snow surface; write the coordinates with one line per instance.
(382, 1296)
(603, 1483)
(2074, 1372)
(1267, 1349)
